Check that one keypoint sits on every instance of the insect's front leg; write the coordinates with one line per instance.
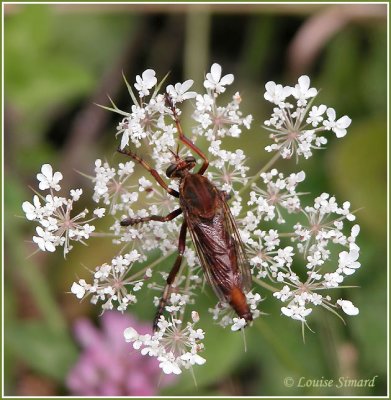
(160, 218)
(225, 195)
(185, 140)
(171, 277)
(152, 171)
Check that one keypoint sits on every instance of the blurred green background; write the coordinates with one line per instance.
(61, 59)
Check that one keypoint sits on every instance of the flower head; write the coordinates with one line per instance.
(280, 230)
(179, 92)
(215, 81)
(176, 346)
(280, 193)
(49, 180)
(145, 82)
(339, 126)
(113, 284)
(294, 133)
(277, 94)
(57, 226)
(302, 91)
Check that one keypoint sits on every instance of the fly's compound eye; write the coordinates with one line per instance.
(190, 159)
(170, 170)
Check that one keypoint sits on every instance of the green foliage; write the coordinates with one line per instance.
(55, 60)
(360, 174)
(49, 352)
(38, 71)
(52, 60)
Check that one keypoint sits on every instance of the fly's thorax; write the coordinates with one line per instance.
(199, 196)
(181, 167)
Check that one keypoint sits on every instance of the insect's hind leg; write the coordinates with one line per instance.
(172, 275)
(160, 218)
(152, 171)
(184, 139)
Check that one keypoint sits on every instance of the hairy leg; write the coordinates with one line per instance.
(152, 171)
(185, 140)
(171, 277)
(168, 217)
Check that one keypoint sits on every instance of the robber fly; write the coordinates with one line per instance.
(211, 225)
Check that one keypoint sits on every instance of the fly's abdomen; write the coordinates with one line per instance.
(219, 254)
(238, 302)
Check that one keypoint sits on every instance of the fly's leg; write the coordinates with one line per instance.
(152, 171)
(171, 277)
(168, 217)
(185, 140)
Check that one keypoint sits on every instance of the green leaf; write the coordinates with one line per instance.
(49, 352)
(157, 89)
(131, 94)
(114, 109)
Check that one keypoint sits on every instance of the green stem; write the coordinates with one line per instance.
(267, 166)
(196, 49)
(265, 285)
(152, 265)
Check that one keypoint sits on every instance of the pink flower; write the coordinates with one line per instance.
(106, 366)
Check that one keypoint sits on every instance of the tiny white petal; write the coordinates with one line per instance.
(130, 334)
(348, 307)
(78, 290)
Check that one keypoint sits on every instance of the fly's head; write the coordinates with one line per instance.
(180, 167)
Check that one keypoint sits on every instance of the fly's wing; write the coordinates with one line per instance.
(203, 253)
(212, 251)
(244, 267)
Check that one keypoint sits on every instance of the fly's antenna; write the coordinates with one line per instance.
(176, 156)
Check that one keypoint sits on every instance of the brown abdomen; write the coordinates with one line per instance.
(239, 303)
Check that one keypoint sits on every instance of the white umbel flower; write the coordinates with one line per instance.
(179, 92)
(49, 180)
(337, 126)
(145, 82)
(215, 81)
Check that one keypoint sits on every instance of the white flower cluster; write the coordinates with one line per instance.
(113, 283)
(325, 228)
(276, 249)
(280, 194)
(175, 344)
(57, 227)
(112, 187)
(292, 131)
(265, 255)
